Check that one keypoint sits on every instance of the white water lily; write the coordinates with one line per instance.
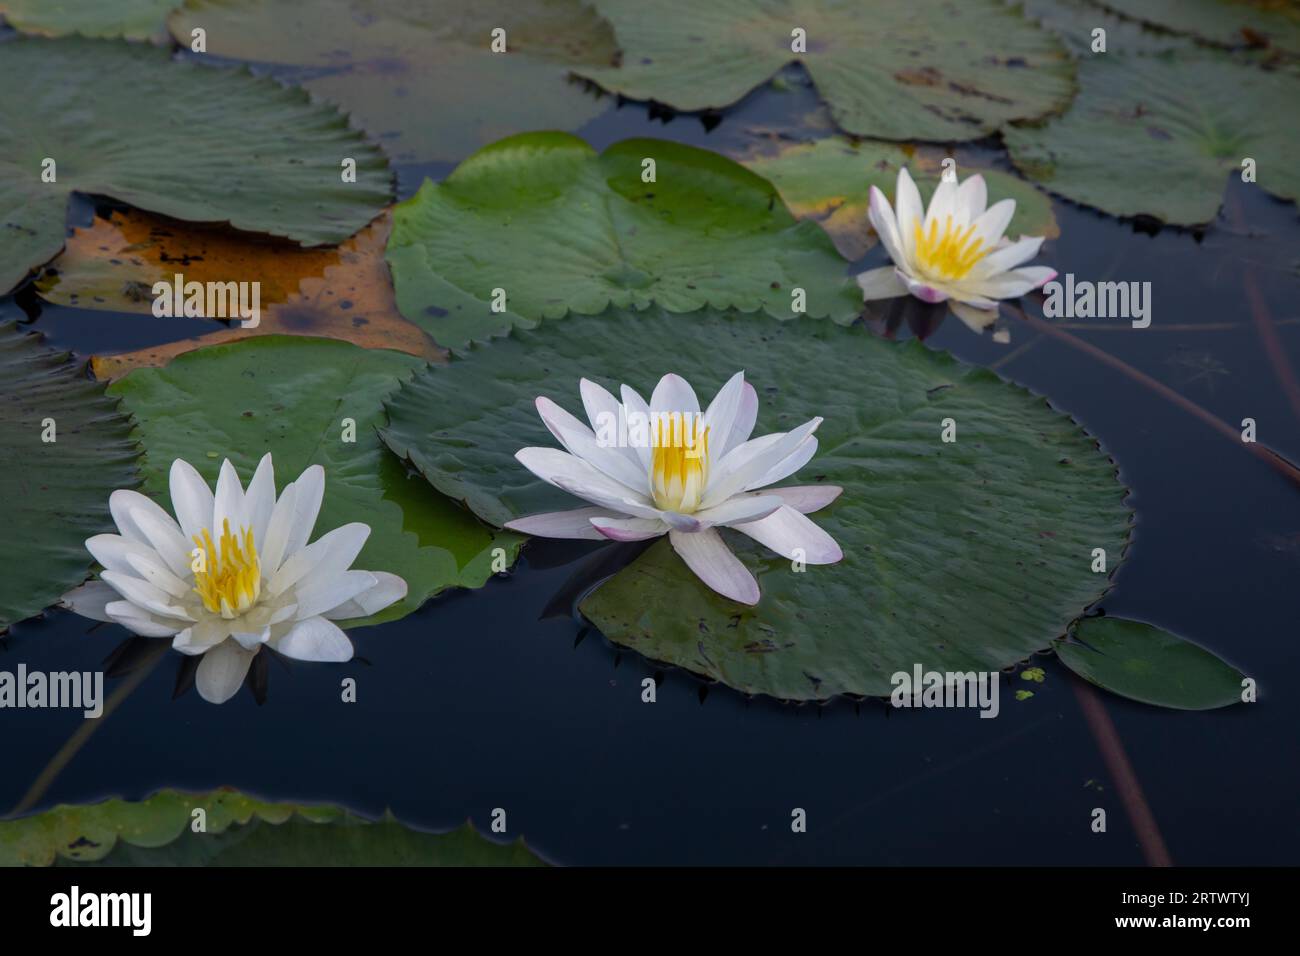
(952, 252)
(233, 571)
(682, 474)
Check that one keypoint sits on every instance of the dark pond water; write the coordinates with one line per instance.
(494, 698)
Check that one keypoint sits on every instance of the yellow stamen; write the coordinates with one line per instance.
(232, 579)
(947, 254)
(679, 463)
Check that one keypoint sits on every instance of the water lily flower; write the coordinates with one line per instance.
(233, 571)
(682, 473)
(952, 252)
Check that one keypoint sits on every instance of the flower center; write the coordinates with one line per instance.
(950, 253)
(227, 575)
(679, 463)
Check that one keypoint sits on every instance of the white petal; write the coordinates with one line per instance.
(635, 406)
(739, 509)
(674, 394)
(316, 595)
(787, 466)
(707, 555)
(881, 216)
(941, 205)
(1011, 284)
(191, 498)
(271, 550)
(126, 505)
(201, 636)
(260, 499)
(251, 640)
(629, 529)
(330, 554)
(148, 567)
(1008, 257)
(140, 621)
(720, 416)
(310, 492)
(580, 441)
(111, 550)
(748, 462)
(882, 283)
(388, 590)
(908, 211)
(792, 536)
(228, 502)
(975, 319)
(222, 671)
(805, 498)
(579, 478)
(993, 222)
(145, 595)
(971, 200)
(314, 639)
(743, 427)
(680, 522)
(90, 600)
(562, 524)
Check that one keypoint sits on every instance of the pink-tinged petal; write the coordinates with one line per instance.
(707, 555)
(970, 201)
(90, 600)
(977, 320)
(577, 477)
(908, 211)
(738, 510)
(222, 671)
(605, 413)
(993, 222)
(1008, 257)
(882, 283)
(804, 498)
(793, 536)
(680, 522)
(388, 590)
(721, 414)
(562, 524)
(629, 529)
(925, 291)
(674, 394)
(314, 639)
(743, 426)
(580, 441)
(881, 216)
(191, 498)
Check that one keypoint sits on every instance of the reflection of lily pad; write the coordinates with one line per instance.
(959, 556)
(421, 74)
(255, 154)
(340, 292)
(237, 831)
(133, 19)
(1145, 663)
(1160, 135)
(560, 228)
(290, 396)
(1227, 22)
(53, 494)
(830, 180)
(923, 69)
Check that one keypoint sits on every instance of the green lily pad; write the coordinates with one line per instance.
(239, 831)
(289, 395)
(1150, 665)
(561, 228)
(53, 495)
(256, 154)
(830, 180)
(925, 69)
(1226, 22)
(959, 556)
(1074, 20)
(1160, 135)
(133, 19)
(421, 74)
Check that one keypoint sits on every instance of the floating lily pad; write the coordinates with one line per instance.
(239, 831)
(958, 556)
(133, 19)
(924, 69)
(1160, 135)
(830, 180)
(1226, 22)
(560, 228)
(53, 494)
(341, 292)
(421, 74)
(255, 154)
(289, 396)
(1148, 664)
(1074, 20)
